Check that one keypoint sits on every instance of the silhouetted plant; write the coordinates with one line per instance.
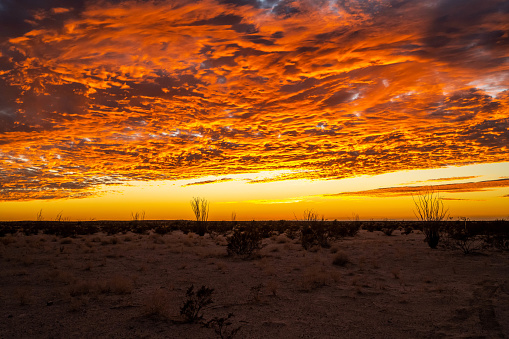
(221, 327)
(138, 216)
(462, 235)
(39, 216)
(497, 234)
(387, 228)
(196, 301)
(244, 241)
(430, 210)
(200, 208)
(314, 232)
(407, 230)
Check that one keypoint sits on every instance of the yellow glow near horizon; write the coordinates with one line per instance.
(280, 199)
(263, 108)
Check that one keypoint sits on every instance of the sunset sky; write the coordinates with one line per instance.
(266, 108)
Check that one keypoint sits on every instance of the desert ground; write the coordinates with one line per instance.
(134, 285)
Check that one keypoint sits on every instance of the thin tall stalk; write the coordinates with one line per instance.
(200, 208)
(429, 208)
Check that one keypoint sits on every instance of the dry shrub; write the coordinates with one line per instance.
(188, 242)
(244, 242)
(27, 260)
(192, 310)
(314, 278)
(117, 285)
(82, 288)
(157, 239)
(340, 259)
(157, 304)
(8, 240)
(282, 239)
(255, 293)
(62, 276)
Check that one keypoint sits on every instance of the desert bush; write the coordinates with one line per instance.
(244, 241)
(407, 230)
(430, 210)
(157, 304)
(497, 234)
(465, 236)
(314, 232)
(340, 259)
(200, 208)
(116, 285)
(221, 327)
(387, 228)
(196, 301)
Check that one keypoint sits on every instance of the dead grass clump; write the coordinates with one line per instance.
(157, 304)
(82, 288)
(255, 293)
(221, 266)
(282, 239)
(157, 239)
(8, 240)
(117, 285)
(340, 259)
(63, 277)
(314, 278)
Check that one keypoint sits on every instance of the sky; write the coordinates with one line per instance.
(266, 108)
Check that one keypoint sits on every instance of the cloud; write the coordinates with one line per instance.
(445, 179)
(185, 89)
(415, 190)
(205, 182)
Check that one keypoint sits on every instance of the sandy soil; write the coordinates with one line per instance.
(133, 286)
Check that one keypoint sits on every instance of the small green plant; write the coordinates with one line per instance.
(221, 327)
(244, 241)
(196, 301)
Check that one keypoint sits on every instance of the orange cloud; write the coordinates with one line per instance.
(413, 190)
(205, 182)
(111, 91)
